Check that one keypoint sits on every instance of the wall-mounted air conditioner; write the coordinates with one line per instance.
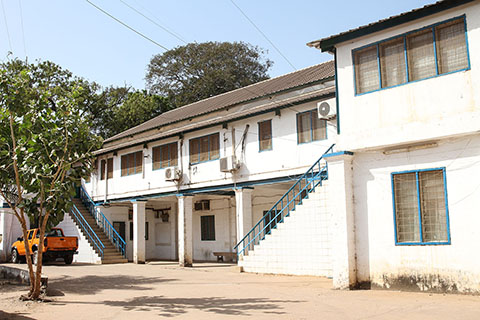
(229, 164)
(172, 174)
(327, 109)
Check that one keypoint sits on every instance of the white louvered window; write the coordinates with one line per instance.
(422, 54)
(420, 207)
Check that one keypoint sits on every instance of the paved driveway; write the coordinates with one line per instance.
(215, 291)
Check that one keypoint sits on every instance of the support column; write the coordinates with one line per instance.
(244, 214)
(185, 231)
(340, 198)
(139, 231)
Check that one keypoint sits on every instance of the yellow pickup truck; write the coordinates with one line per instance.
(55, 245)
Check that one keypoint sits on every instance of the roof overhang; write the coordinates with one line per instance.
(328, 44)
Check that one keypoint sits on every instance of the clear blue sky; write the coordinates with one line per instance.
(80, 38)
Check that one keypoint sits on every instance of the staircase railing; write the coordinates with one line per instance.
(103, 222)
(90, 234)
(288, 202)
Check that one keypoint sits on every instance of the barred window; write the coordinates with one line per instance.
(265, 135)
(429, 52)
(366, 69)
(132, 163)
(421, 213)
(205, 148)
(310, 127)
(165, 156)
(208, 228)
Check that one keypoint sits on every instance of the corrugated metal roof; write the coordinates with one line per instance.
(219, 119)
(261, 89)
(327, 44)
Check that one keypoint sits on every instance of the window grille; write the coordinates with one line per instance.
(265, 135)
(366, 69)
(392, 62)
(420, 207)
(310, 127)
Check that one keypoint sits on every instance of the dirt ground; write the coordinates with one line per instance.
(216, 291)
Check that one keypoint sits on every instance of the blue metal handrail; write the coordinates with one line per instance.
(91, 235)
(288, 202)
(103, 222)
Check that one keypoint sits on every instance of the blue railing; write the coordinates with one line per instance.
(91, 235)
(288, 202)
(103, 222)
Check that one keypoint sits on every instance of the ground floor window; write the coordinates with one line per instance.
(208, 228)
(420, 207)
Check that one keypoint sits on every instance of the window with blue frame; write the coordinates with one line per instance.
(420, 207)
(421, 54)
(165, 156)
(310, 127)
(205, 148)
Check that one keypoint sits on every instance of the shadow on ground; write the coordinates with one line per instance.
(92, 284)
(12, 316)
(171, 307)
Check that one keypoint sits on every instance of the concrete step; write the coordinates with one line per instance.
(115, 261)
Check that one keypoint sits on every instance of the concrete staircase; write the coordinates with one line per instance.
(110, 253)
(300, 245)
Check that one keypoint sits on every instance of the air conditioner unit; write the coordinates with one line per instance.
(172, 174)
(327, 109)
(229, 164)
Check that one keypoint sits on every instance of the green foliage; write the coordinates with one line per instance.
(198, 71)
(119, 109)
(44, 137)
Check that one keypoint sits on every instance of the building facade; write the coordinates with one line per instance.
(405, 188)
(195, 180)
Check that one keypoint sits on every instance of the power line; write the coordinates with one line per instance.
(154, 22)
(127, 26)
(263, 34)
(6, 26)
(23, 32)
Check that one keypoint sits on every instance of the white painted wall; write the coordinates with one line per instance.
(10, 229)
(301, 245)
(86, 254)
(443, 106)
(383, 263)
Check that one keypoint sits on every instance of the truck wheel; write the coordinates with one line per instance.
(15, 256)
(68, 259)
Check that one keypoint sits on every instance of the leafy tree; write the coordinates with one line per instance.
(46, 146)
(197, 71)
(118, 109)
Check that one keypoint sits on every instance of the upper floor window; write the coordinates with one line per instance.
(165, 156)
(422, 54)
(310, 127)
(132, 163)
(109, 164)
(205, 148)
(420, 205)
(265, 135)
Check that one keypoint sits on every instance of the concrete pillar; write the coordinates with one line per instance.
(185, 231)
(139, 231)
(244, 214)
(340, 198)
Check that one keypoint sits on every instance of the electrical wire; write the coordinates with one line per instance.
(23, 31)
(263, 34)
(6, 26)
(127, 26)
(154, 22)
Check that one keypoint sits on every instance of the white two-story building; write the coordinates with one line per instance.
(404, 187)
(195, 180)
